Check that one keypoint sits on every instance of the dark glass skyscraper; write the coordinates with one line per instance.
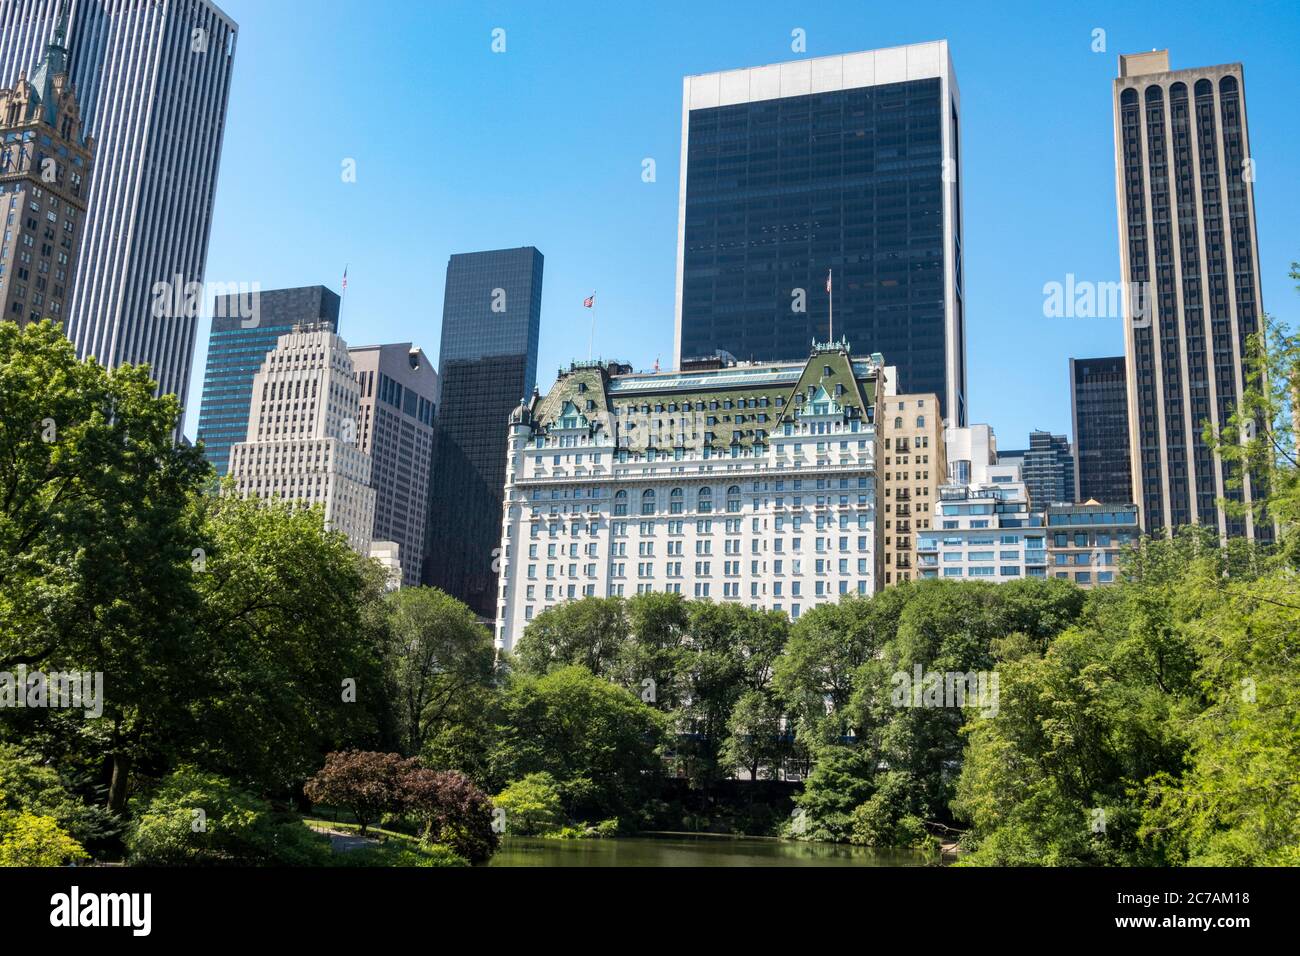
(1099, 404)
(1185, 190)
(236, 348)
(1047, 469)
(491, 319)
(849, 164)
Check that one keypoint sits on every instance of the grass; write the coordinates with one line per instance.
(391, 849)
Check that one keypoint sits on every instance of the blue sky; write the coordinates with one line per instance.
(458, 149)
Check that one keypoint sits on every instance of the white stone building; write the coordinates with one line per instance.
(754, 483)
(983, 528)
(302, 434)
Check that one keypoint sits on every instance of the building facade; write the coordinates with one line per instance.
(844, 164)
(399, 394)
(985, 529)
(302, 434)
(1099, 409)
(240, 339)
(45, 168)
(153, 79)
(1046, 466)
(491, 321)
(755, 484)
(1189, 258)
(914, 468)
(1085, 542)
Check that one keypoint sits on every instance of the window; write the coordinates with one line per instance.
(620, 503)
(648, 501)
(704, 502)
(733, 499)
(676, 501)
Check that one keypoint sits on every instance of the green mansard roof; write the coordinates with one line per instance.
(845, 384)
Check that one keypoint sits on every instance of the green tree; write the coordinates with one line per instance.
(438, 652)
(590, 632)
(841, 780)
(756, 741)
(97, 540)
(289, 644)
(598, 740)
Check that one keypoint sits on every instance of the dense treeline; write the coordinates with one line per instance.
(245, 651)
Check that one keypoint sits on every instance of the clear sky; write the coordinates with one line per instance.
(458, 149)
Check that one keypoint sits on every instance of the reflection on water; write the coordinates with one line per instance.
(686, 850)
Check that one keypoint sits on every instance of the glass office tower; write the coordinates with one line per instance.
(491, 320)
(1099, 404)
(848, 164)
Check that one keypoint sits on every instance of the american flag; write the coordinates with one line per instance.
(590, 301)
(345, 278)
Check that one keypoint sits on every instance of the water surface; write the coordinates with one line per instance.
(688, 850)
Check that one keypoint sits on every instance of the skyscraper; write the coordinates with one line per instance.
(1185, 188)
(843, 164)
(302, 434)
(1099, 406)
(244, 329)
(1047, 467)
(399, 392)
(45, 169)
(491, 320)
(153, 78)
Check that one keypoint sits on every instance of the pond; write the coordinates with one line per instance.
(691, 850)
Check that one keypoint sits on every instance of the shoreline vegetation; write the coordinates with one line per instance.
(256, 671)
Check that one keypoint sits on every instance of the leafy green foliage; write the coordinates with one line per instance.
(598, 741)
(533, 805)
(27, 839)
(841, 780)
(200, 819)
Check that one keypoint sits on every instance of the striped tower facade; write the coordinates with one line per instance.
(153, 79)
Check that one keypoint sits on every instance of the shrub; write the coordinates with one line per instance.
(27, 784)
(201, 819)
(532, 805)
(394, 853)
(27, 839)
(450, 810)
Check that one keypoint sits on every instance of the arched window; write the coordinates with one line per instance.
(920, 421)
(898, 422)
(705, 501)
(676, 501)
(648, 501)
(620, 503)
(733, 499)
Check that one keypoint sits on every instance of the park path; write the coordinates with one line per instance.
(342, 841)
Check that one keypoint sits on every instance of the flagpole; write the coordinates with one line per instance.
(343, 294)
(830, 291)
